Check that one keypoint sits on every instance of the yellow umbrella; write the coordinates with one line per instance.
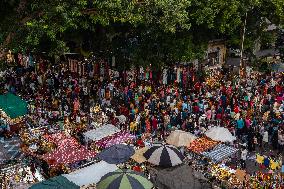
(180, 138)
(138, 156)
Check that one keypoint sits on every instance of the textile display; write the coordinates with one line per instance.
(67, 155)
(101, 132)
(201, 145)
(91, 174)
(220, 152)
(61, 140)
(116, 138)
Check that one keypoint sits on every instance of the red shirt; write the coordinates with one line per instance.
(155, 123)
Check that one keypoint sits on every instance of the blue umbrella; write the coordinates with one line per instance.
(116, 154)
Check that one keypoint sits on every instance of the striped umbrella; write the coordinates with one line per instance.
(164, 155)
(124, 179)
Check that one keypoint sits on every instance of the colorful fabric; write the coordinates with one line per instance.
(220, 153)
(68, 155)
(117, 138)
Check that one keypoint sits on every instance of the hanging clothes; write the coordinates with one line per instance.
(20, 59)
(26, 61)
(178, 75)
(31, 62)
(165, 76)
(141, 73)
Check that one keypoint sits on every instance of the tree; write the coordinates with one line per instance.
(140, 31)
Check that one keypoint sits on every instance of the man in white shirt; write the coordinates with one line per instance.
(244, 154)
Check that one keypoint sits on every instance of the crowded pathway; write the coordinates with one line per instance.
(145, 104)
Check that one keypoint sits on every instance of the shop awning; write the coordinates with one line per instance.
(91, 174)
(13, 105)
(101, 132)
(58, 182)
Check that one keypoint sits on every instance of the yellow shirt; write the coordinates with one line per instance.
(274, 165)
(259, 159)
(132, 126)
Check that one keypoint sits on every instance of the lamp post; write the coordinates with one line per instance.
(242, 67)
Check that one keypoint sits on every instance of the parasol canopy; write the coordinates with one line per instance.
(124, 179)
(91, 174)
(164, 155)
(58, 182)
(116, 154)
(180, 138)
(101, 132)
(221, 134)
(13, 105)
(138, 156)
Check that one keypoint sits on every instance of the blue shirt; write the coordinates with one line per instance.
(240, 124)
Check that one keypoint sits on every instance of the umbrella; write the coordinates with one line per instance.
(138, 156)
(164, 155)
(220, 134)
(116, 154)
(180, 138)
(124, 179)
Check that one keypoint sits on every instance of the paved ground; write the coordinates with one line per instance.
(10, 148)
(251, 165)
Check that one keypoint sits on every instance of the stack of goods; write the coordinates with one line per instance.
(220, 153)
(221, 172)
(201, 145)
(266, 180)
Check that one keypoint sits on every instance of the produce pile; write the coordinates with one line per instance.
(201, 145)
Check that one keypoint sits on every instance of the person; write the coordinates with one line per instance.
(244, 154)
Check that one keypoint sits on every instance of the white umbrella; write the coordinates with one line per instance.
(180, 138)
(221, 134)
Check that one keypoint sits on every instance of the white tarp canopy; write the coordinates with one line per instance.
(91, 174)
(180, 138)
(101, 132)
(221, 134)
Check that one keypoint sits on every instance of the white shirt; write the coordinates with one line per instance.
(244, 154)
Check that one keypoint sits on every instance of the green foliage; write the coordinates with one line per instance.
(136, 31)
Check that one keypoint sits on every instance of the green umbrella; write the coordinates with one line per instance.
(124, 179)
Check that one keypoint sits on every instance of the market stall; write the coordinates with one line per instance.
(58, 182)
(91, 174)
(101, 132)
(180, 138)
(220, 152)
(202, 144)
(228, 177)
(221, 134)
(68, 154)
(19, 176)
(117, 138)
(12, 110)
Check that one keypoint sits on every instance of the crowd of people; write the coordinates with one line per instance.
(251, 108)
